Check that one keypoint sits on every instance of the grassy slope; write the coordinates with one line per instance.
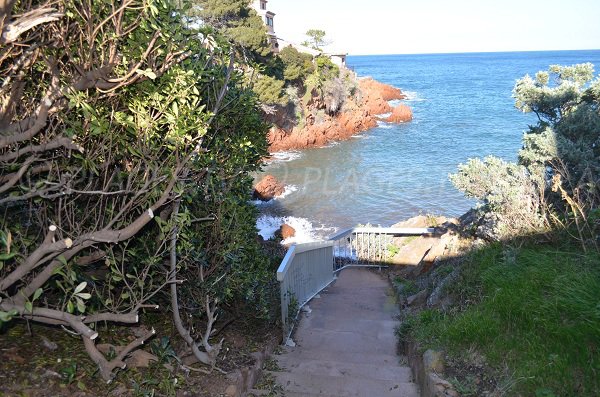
(534, 310)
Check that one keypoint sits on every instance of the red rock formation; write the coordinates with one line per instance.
(268, 188)
(400, 114)
(357, 116)
(376, 96)
(287, 231)
(387, 92)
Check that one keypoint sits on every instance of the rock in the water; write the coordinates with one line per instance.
(400, 114)
(268, 188)
(287, 231)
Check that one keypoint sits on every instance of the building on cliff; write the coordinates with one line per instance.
(277, 43)
(268, 18)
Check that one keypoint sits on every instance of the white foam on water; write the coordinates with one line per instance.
(385, 115)
(413, 96)
(395, 102)
(268, 225)
(286, 156)
(289, 189)
(332, 144)
(385, 125)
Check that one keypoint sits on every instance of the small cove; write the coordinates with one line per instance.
(463, 108)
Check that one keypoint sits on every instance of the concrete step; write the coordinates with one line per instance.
(384, 306)
(296, 354)
(344, 386)
(354, 370)
(294, 394)
(336, 341)
(374, 338)
(349, 323)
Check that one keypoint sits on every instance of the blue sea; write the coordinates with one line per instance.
(463, 108)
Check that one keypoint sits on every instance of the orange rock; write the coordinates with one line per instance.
(358, 115)
(287, 231)
(268, 188)
(400, 114)
(376, 96)
(387, 92)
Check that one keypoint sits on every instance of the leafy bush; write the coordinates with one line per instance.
(334, 94)
(508, 192)
(127, 163)
(297, 65)
(270, 90)
(556, 176)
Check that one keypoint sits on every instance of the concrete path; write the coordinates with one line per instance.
(346, 346)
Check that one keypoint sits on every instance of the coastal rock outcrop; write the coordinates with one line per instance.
(400, 114)
(376, 96)
(319, 134)
(421, 252)
(287, 231)
(268, 188)
(359, 114)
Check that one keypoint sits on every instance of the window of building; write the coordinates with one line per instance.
(263, 5)
(269, 21)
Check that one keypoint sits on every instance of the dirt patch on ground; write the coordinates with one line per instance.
(43, 361)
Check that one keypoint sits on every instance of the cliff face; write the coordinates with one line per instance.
(358, 114)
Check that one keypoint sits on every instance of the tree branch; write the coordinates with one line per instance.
(28, 21)
(107, 367)
(65, 142)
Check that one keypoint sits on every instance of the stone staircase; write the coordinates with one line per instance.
(345, 343)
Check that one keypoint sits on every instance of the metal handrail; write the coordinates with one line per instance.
(368, 246)
(304, 272)
(309, 268)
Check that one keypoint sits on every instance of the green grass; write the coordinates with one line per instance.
(404, 287)
(534, 310)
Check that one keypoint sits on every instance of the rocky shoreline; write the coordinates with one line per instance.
(360, 113)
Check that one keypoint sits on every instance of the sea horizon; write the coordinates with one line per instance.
(463, 108)
(476, 52)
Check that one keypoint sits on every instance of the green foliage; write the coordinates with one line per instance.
(316, 39)
(297, 65)
(532, 309)
(163, 350)
(557, 172)
(319, 83)
(69, 373)
(325, 68)
(179, 124)
(507, 191)
(238, 22)
(270, 90)
(565, 102)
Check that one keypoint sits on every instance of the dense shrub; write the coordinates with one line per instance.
(270, 90)
(123, 166)
(556, 176)
(297, 65)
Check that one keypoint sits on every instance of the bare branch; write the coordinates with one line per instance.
(64, 142)
(28, 21)
(107, 367)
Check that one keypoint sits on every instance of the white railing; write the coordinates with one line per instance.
(368, 246)
(308, 268)
(304, 272)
